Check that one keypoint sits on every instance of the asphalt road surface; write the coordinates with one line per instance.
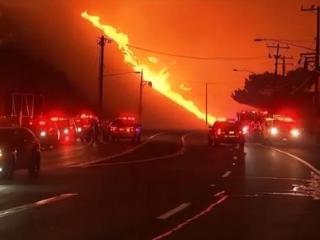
(170, 186)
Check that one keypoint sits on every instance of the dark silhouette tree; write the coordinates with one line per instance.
(264, 91)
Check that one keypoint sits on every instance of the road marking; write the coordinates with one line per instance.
(174, 211)
(169, 156)
(312, 168)
(226, 174)
(290, 194)
(190, 220)
(278, 178)
(40, 203)
(84, 164)
(218, 194)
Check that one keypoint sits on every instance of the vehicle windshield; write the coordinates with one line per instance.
(227, 126)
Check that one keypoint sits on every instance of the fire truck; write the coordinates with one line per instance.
(66, 129)
(253, 123)
(280, 128)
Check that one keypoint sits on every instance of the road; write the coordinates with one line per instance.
(171, 186)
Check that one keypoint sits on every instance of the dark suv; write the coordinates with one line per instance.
(19, 149)
(123, 128)
(226, 132)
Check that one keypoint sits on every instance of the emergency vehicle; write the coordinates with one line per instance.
(46, 130)
(84, 123)
(66, 129)
(281, 128)
(123, 128)
(252, 123)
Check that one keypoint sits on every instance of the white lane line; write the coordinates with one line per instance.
(174, 211)
(83, 164)
(278, 178)
(312, 168)
(15, 210)
(290, 194)
(190, 220)
(169, 156)
(226, 174)
(218, 194)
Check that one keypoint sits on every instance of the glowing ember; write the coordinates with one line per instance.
(159, 79)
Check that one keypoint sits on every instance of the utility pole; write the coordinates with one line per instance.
(140, 95)
(206, 103)
(284, 64)
(102, 43)
(141, 86)
(317, 53)
(277, 56)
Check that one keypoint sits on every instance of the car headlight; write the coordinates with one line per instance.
(274, 131)
(43, 133)
(245, 129)
(295, 133)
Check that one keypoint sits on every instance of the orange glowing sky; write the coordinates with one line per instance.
(215, 28)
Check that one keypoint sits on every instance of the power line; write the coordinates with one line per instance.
(197, 57)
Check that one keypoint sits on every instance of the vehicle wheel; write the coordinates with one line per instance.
(8, 169)
(34, 168)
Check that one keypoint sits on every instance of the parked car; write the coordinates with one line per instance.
(19, 149)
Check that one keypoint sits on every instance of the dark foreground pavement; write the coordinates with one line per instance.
(172, 187)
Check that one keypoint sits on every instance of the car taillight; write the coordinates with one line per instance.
(295, 133)
(66, 131)
(219, 131)
(42, 123)
(274, 131)
(79, 129)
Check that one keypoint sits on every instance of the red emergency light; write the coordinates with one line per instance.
(42, 123)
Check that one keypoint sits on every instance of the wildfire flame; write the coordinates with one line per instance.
(159, 79)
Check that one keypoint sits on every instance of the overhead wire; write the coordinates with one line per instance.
(197, 57)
